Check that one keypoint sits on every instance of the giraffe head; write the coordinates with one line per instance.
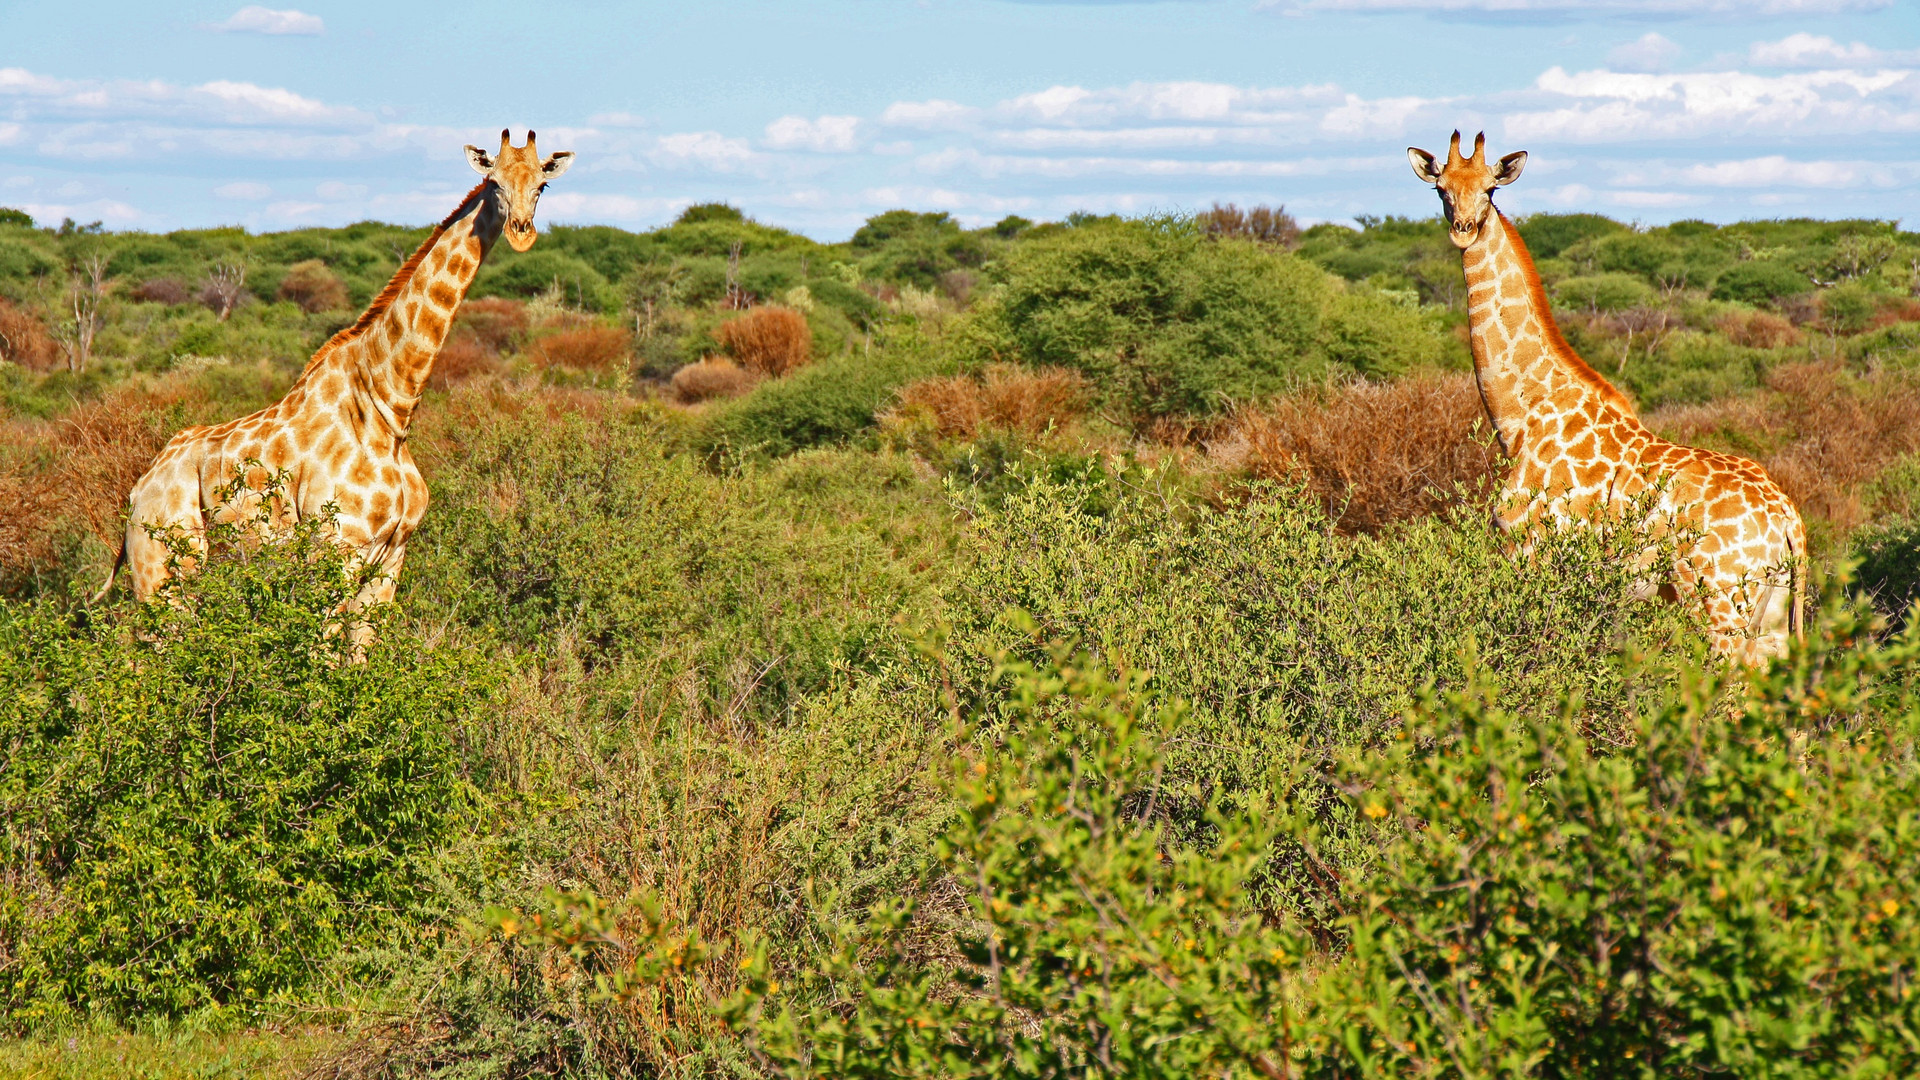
(1466, 185)
(519, 175)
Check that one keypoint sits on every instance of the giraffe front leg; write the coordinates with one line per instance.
(377, 588)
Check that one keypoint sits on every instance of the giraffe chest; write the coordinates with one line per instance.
(371, 485)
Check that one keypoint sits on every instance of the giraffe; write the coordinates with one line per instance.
(1579, 448)
(340, 433)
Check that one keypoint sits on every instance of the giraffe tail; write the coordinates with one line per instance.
(119, 560)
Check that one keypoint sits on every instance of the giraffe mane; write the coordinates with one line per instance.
(1537, 295)
(400, 278)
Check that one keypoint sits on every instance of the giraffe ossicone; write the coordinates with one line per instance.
(339, 435)
(1580, 451)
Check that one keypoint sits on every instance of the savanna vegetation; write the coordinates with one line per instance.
(1065, 649)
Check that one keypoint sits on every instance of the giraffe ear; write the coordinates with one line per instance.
(555, 165)
(478, 158)
(1509, 168)
(1424, 166)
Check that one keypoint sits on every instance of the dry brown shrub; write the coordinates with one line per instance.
(74, 472)
(770, 340)
(314, 287)
(462, 357)
(589, 348)
(1758, 330)
(712, 377)
(1901, 309)
(1262, 224)
(24, 340)
(1006, 396)
(1822, 434)
(496, 323)
(162, 290)
(1374, 453)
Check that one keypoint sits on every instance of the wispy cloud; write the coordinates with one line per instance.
(1819, 50)
(1586, 9)
(1650, 52)
(255, 19)
(824, 135)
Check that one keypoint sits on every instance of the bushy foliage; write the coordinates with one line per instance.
(1159, 318)
(1760, 282)
(1087, 940)
(208, 796)
(1723, 895)
(822, 404)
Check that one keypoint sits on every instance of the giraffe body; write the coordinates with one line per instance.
(1580, 451)
(340, 433)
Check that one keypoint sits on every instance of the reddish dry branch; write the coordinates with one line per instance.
(73, 473)
(589, 348)
(770, 340)
(1821, 433)
(496, 323)
(1374, 453)
(313, 287)
(464, 356)
(713, 377)
(24, 340)
(1005, 396)
(1758, 330)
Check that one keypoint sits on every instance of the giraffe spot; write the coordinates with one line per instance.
(442, 294)
(362, 472)
(433, 324)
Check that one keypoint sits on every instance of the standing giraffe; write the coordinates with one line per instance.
(1579, 448)
(340, 433)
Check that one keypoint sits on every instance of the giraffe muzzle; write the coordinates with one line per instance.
(520, 234)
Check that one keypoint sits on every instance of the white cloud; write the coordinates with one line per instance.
(928, 115)
(1650, 52)
(707, 149)
(825, 135)
(1586, 9)
(1777, 171)
(1608, 106)
(997, 165)
(243, 189)
(255, 19)
(1818, 50)
(335, 191)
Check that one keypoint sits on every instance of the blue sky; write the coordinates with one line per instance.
(815, 114)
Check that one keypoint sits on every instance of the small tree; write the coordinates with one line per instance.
(225, 288)
(84, 292)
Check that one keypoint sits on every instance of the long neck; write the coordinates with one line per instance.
(388, 354)
(1528, 374)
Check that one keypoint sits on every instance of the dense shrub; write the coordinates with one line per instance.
(1159, 319)
(162, 290)
(712, 377)
(770, 340)
(206, 798)
(1603, 292)
(313, 287)
(1760, 282)
(1547, 235)
(24, 339)
(507, 274)
(1725, 894)
(1377, 337)
(823, 403)
(1371, 453)
(1004, 395)
(603, 349)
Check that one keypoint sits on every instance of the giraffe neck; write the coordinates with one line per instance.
(388, 353)
(1529, 376)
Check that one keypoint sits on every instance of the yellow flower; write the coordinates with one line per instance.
(1891, 907)
(1375, 810)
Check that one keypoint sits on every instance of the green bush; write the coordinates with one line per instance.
(1160, 319)
(206, 799)
(1725, 893)
(1603, 292)
(510, 274)
(1378, 337)
(1286, 638)
(822, 404)
(1547, 235)
(1849, 308)
(1760, 282)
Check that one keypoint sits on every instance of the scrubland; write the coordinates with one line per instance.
(1066, 649)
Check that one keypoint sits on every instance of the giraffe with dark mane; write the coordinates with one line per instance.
(1579, 449)
(339, 436)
